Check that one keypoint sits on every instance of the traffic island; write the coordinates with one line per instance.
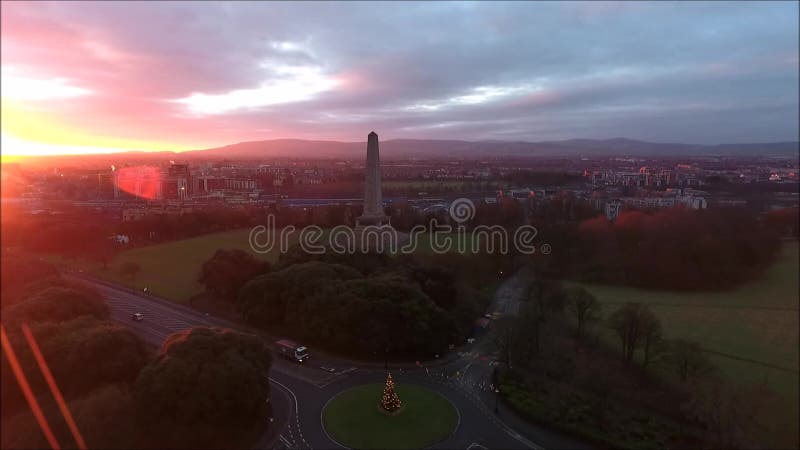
(355, 418)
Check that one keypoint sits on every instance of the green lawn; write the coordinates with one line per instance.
(353, 418)
(170, 270)
(757, 321)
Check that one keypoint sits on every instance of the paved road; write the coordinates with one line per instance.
(299, 392)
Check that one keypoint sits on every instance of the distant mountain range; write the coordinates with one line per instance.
(427, 148)
(405, 148)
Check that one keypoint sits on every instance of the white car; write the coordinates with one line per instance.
(137, 317)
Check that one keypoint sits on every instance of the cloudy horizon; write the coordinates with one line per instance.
(182, 75)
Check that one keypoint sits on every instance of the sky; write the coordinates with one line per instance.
(105, 76)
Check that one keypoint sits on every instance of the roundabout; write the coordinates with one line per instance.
(355, 419)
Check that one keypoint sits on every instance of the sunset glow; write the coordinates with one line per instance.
(87, 80)
(407, 224)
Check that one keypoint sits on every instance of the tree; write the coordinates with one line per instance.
(110, 353)
(390, 402)
(374, 315)
(721, 246)
(437, 283)
(550, 292)
(583, 305)
(18, 272)
(532, 319)
(651, 331)
(130, 269)
(113, 352)
(688, 359)
(505, 335)
(228, 270)
(103, 417)
(263, 300)
(55, 301)
(730, 414)
(630, 322)
(206, 387)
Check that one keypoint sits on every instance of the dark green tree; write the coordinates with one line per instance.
(55, 301)
(18, 272)
(228, 270)
(264, 299)
(206, 387)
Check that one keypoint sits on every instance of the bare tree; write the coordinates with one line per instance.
(633, 322)
(688, 359)
(651, 332)
(584, 306)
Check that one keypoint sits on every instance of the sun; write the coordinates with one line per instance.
(28, 132)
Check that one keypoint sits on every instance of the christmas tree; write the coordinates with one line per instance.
(390, 401)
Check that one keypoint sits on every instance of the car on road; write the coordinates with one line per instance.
(137, 317)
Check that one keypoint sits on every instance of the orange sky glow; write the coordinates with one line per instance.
(100, 77)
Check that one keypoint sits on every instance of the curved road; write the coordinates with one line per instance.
(300, 392)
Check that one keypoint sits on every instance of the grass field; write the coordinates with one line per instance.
(757, 321)
(170, 270)
(353, 418)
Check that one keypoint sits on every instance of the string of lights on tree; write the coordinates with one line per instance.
(390, 401)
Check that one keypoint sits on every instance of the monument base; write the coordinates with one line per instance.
(376, 234)
(375, 220)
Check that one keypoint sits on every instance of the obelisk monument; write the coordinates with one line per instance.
(373, 200)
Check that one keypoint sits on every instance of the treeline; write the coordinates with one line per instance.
(205, 388)
(168, 227)
(674, 248)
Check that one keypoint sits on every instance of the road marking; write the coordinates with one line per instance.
(296, 409)
(285, 442)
